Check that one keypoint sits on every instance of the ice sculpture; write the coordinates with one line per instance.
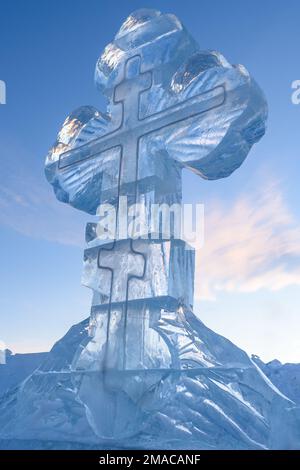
(171, 106)
(143, 371)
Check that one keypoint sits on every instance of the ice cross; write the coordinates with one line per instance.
(171, 106)
(132, 127)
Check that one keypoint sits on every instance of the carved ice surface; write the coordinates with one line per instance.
(169, 104)
(148, 373)
(215, 398)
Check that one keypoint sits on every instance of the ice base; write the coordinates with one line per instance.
(217, 398)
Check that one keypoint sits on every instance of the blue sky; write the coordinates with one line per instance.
(248, 273)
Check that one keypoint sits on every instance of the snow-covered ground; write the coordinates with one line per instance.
(17, 368)
(286, 377)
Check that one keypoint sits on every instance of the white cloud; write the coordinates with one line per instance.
(40, 218)
(28, 205)
(27, 202)
(251, 244)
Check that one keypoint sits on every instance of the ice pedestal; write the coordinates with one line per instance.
(216, 399)
(115, 345)
(123, 400)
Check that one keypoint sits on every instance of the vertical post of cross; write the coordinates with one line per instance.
(128, 94)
